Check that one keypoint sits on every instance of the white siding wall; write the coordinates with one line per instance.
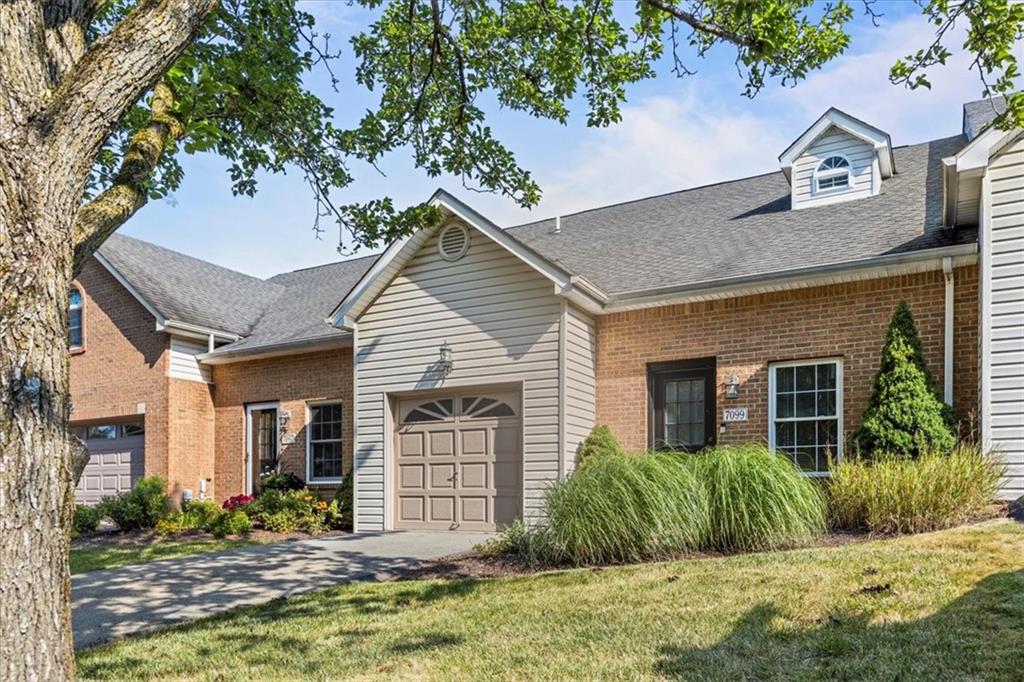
(1003, 306)
(502, 321)
(183, 364)
(580, 381)
(859, 153)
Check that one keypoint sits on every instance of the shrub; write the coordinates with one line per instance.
(86, 520)
(905, 415)
(518, 540)
(230, 522)
(238, 501)
(194, 515)
(623, 508)
(293, 510)
(896, 495)
(139, 508)
(344, 496)
(281, 482)
(601, 441)
(757, 499)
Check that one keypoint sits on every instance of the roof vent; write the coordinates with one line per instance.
(453, 242)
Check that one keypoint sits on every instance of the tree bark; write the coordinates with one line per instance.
(59, 99)
(36, 486)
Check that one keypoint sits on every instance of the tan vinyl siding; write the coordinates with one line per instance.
(502, 321)
(580, 403)
(183, 362)
(859, 153)
(1004, 249)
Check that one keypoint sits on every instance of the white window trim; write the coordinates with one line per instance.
(81, 319)
(839, 404)
(309, 442)
(249, 409)
(832, 173)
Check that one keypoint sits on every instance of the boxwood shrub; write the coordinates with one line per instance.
(139, 508)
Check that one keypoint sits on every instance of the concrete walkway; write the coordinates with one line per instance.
(133, 599)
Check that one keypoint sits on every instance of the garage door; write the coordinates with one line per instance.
(116, 460)
(459, 462)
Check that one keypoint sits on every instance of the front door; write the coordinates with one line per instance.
(682, 397)
(262, 441)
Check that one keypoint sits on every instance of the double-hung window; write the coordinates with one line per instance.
(323, 443)
(805, 411)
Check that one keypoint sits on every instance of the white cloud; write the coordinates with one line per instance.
(662, 144)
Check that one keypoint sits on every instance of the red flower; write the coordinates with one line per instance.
(238, 501)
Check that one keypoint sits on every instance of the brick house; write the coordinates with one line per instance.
(465, 364)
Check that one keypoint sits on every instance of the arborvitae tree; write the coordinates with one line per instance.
(905, 415)
(601, 441)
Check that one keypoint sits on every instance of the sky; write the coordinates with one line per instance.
(675, 133)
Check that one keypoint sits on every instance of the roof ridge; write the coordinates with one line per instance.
(194, 258)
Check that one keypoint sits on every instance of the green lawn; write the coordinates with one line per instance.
(93, 558)
(946, 605)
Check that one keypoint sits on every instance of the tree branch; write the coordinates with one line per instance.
(97, 91)
(99, 218)
(23, 79)
(65, 22)
(703, 26)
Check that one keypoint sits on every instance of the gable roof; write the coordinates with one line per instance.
(879, 139)
(184, 289)
(399, 253)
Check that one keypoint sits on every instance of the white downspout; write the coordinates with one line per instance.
(947, 271)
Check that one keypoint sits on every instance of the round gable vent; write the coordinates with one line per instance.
(453, 242)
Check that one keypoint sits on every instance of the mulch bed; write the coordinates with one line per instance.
(475, 566)
(148, 537)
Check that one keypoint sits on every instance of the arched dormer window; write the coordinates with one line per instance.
(832, 174)
(75, 327)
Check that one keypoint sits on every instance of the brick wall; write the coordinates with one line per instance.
(745, 334)
(123, 363)
(292, 381)
(190, 437)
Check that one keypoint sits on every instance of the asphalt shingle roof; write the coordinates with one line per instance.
(746, 228)
(190, 290)
(738, 229)
(978, 115)
(299, 313)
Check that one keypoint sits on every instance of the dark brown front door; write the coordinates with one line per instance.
(682, 404)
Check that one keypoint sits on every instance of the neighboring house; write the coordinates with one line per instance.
(464, 365)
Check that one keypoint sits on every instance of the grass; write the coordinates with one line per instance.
(94, 558)
(899, 495)
(944, 605)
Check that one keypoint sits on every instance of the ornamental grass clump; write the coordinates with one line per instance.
(757, 499)
(893, 494)
(623, 508)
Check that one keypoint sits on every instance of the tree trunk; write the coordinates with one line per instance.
(37, 453)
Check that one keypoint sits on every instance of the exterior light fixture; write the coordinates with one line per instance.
(445, 360)
(732, 387)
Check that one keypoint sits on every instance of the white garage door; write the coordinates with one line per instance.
(459, 462)
(116, 460)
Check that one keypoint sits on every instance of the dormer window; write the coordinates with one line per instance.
(832, 174)
(75, 334)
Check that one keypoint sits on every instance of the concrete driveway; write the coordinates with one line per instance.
(133, 599)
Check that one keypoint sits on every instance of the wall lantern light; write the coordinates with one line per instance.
(445, 361)
(732, 387)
